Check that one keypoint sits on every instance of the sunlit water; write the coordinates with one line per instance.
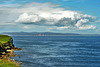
(58, 51)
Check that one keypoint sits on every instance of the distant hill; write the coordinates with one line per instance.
(47, 34)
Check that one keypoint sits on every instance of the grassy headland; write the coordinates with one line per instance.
(4, 38)
(6, 51)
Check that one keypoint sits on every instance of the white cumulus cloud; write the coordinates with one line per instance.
(52, 15)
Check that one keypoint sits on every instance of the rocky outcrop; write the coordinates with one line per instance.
(5, 46)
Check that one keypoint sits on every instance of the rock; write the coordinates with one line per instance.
(7, 45)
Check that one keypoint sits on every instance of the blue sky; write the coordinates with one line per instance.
(63, 16)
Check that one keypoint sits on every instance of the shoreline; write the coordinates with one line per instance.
(10, 53)
(7, 49)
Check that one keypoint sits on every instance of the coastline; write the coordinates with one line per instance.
(7, 49)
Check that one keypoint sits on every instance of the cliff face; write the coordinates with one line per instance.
(5, 46)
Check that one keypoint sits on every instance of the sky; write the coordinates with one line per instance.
(60, 16)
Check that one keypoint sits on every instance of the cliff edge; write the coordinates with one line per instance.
(6, 42)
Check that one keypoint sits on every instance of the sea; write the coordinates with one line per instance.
(58, 51)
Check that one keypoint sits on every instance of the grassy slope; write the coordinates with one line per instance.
(6, 63)
(3, 62)
(4, 38)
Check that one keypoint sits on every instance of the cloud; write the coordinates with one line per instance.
(26, 27)
(57, 28)
(82, 24)
(46, 14)
(49, 14)
(87, 27)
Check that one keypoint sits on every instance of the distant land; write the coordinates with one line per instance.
(46, 34)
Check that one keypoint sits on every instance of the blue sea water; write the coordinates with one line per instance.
(58, 51)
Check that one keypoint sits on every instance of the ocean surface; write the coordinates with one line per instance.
(58, 51)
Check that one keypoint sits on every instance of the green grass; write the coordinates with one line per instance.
(6, 63)
(4, 38)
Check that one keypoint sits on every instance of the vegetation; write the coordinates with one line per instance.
(6, 63)
(4, 38)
